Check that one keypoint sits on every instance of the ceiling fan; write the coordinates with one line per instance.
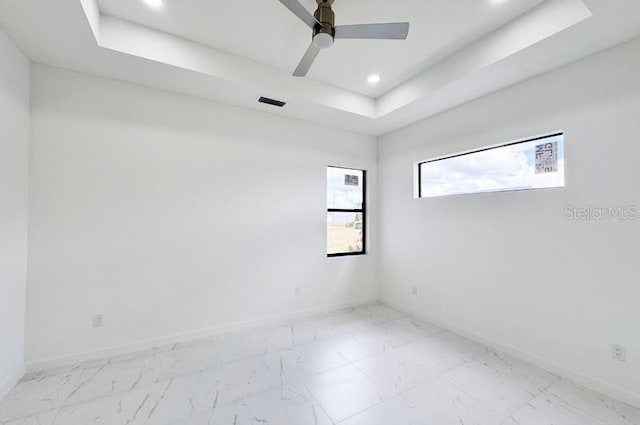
(322, 22)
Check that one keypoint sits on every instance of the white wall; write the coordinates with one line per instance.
(171, 215)
(14, 145)
(508, 268)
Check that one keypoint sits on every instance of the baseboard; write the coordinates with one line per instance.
(553, 367)
(101, 353)
(7, 384)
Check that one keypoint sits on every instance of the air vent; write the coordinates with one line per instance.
(272, 102)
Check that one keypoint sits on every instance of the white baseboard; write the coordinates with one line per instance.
(7, 384)
(55, 362)
(553, 367)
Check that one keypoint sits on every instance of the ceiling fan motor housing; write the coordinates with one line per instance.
(324, 33)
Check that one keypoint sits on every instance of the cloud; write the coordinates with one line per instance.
(340, 195)
(504, 168)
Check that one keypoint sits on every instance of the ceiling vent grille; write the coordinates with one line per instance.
(272, 102)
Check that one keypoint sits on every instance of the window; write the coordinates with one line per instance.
(346, 211)
(529, 164)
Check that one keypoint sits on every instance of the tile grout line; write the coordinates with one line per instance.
(326, 340)
(159, 351)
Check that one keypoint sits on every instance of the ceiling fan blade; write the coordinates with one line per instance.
(300, 11)
(307, 61)
(391, 31)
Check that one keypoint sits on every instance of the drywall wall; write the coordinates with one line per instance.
(173, 217)
(510, 268)
(14, 146)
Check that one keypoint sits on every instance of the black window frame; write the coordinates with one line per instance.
(533, 139)
(362, 210)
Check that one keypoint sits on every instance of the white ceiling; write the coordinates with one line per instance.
(451, 57)
(265, 31)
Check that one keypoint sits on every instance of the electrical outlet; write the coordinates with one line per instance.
(415, 290)
(619, 352)
(297, 291)
(97, 320)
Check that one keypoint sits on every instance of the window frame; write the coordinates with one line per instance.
(362, 210)
(419, 164)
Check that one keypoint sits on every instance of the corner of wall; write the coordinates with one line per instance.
(10, 381)
(378, 222)
(550, 366)
(15, 81)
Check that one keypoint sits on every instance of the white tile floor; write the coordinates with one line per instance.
(369, 365)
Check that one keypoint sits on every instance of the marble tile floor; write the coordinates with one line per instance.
(368, 365)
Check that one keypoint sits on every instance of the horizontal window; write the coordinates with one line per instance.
(529, 164)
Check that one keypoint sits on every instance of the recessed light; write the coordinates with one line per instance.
(156, 4)
(373, 79)
(496, 2)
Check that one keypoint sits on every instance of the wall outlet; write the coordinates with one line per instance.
(415, 290)
(97, 320)
(297, 291)
(619, 352)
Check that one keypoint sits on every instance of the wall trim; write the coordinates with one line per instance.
(272, 320)
(11, 380)
(548, 365)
